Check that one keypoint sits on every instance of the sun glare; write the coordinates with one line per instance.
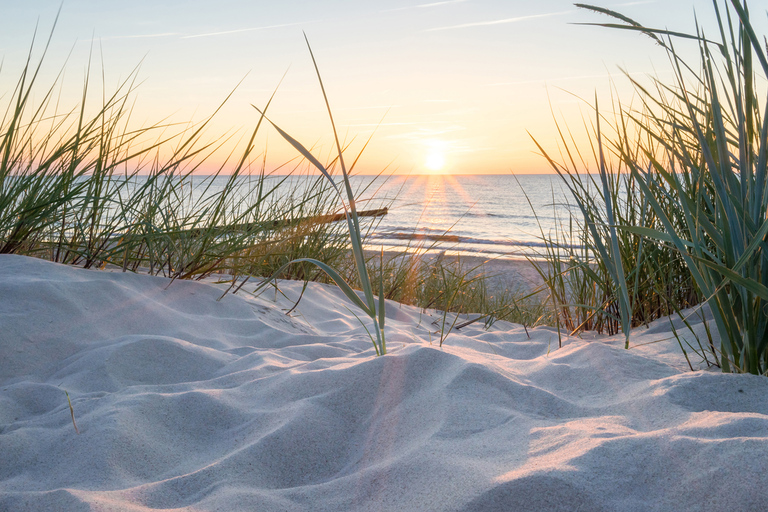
(435, 160)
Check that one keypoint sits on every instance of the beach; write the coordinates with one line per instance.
(187, 400)
(499, 274)
(495, 226)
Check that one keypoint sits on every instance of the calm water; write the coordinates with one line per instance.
(472, 214)
(487, 214)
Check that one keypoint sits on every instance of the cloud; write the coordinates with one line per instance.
(642, 2)
(425, 6)
(577, 77)
(362, 125)
(136, 36)
(251, 29)
(500, 21)
(208, 34)
(142, 36)
(372, 107)
(424, 132)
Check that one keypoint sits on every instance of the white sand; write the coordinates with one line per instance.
(186, 403)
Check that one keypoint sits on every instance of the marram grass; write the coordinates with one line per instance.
(375, 310)
(93, 190)
(683, 214)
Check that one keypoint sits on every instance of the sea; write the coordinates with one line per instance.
(496, 216)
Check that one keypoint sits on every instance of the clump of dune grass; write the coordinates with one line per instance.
(374, 309)
(459, 294)
(694, 162)
(423, 276)
(458, 290)
(449, 288)
(309, 235)
(600, 277)
(86, 187)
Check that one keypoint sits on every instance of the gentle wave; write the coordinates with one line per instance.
(464, 240)
(485, 214)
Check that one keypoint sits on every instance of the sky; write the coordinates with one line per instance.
(451, 86)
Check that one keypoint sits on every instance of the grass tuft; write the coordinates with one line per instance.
(682, 209)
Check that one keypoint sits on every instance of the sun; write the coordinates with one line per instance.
(435, 161)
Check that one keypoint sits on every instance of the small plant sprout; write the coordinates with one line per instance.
(72, 413)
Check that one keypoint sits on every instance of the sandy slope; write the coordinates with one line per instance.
(187, 403)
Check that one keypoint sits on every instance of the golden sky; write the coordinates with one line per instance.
(454, 86)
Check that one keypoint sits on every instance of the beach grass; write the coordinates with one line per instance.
(94, 190)
(87, 187)
(447, 287)
(375, 310)
(677, 215)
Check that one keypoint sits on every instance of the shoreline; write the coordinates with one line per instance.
(510, 274)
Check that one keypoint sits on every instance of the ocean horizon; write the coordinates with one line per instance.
(493, 215)
(489, 215)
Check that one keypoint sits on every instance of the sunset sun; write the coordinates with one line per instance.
(435, 161)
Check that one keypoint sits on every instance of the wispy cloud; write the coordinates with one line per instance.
(372, 107)
(137, 36)
(142, 36)
(250, 29)
(642, 2)
(500, 21)
(425, 132)
(208, 34)
(425, 6)
(381, 124)
(577, 77)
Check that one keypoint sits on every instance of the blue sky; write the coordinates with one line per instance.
(461, 81)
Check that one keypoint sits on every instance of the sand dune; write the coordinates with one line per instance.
(184, 402)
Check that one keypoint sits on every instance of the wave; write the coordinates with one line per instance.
(492, 215)
(462, 240)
